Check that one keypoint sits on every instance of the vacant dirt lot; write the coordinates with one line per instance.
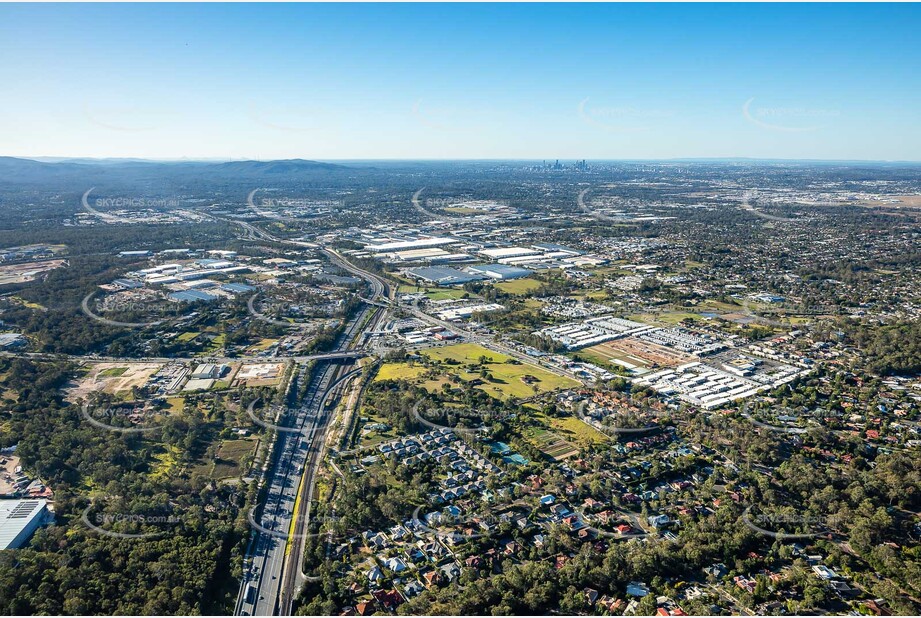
(111, 378)
(20, 273)
(631, 350)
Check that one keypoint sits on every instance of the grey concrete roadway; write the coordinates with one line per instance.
(266, 555)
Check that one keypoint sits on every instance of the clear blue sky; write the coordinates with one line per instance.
(461, 81)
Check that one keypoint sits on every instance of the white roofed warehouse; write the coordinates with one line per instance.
(19, 519)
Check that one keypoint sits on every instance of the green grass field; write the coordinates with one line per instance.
(262, 345)
(229, 456)
(550, 443)
(112, 372)
(666, 317)
(217, 343)
(572, 428)
(560, 438)
(166, 462)
(506, 381)
(374, 437)
(518, 286)
(227, 464)
(398, 371)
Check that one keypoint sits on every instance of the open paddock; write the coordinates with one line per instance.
(506, 380)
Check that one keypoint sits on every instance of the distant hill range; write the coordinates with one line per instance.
(14, 169)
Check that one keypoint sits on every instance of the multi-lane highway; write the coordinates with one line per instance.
(293, 575)
(383, 297)
(273, 561)
(272, 569)
(266, 585)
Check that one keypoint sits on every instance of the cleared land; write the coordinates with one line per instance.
(227, 462)
(229, 456)
(112, 378)
(574, 429)
(638, 353)
(551, 444)
(22, 273)
(432, 293)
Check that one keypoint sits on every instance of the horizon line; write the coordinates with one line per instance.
(62, 159)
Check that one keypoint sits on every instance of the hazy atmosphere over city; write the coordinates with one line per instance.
(525, 309)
